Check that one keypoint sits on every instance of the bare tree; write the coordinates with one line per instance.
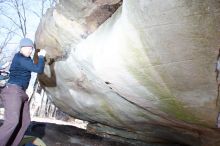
(14, 15)
(12, 25)
(21, 21)
(22, 16)
(5, 41)
(44, 5)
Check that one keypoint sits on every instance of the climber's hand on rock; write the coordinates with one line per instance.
(42, 53)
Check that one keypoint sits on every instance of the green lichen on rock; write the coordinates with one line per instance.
(168, 103)
(110, 112)
(147, 76)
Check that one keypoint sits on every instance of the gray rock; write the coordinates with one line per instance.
(148, 70)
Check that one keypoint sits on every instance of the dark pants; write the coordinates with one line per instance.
(16, 115)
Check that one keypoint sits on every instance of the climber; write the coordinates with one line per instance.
(15, 100)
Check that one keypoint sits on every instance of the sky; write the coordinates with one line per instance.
(32, 8)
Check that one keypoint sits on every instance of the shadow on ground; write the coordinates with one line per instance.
(64, 135)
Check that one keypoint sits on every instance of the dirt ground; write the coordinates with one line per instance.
(66, 135)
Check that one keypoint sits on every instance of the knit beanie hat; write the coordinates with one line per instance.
(26, 42)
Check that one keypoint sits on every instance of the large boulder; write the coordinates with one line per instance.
(138, 69)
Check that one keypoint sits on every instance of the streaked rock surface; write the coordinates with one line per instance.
(146, 73)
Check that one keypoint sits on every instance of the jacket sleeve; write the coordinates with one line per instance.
(29, 64)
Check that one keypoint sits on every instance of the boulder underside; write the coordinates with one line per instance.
(138, 70)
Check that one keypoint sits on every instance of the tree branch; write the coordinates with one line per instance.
(24, 18)
(6, 40)
(13, 31)
(22, 23)
(12, 20)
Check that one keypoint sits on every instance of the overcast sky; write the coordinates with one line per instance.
(32, 7)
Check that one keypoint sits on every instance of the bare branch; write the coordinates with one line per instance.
(10, 4)
(22, 19)
(18, 7)
(11, 19)
(14, 31)
(6, 39)
(5, 42)
(34, 12)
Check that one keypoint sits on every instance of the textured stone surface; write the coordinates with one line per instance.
(63, 27)
(148, 69)
(63, 135)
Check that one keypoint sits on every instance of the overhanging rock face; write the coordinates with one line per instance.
(146, 72)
